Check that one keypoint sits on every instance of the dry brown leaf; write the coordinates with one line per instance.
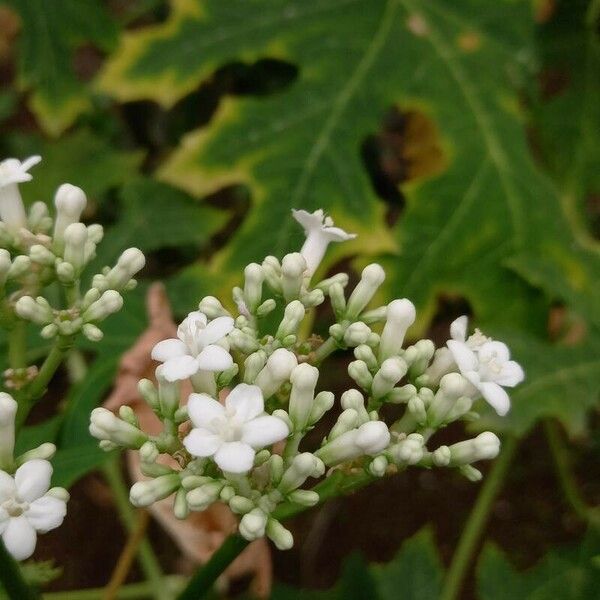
(201, 534)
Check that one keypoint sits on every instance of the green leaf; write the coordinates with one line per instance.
(153, 215)
(568, 574)
(416, 570)
(74, 462)
(81, 158)
(50, 33)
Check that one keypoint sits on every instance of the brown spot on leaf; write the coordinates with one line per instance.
(544, 10)
(565, 327)
(469, 41)
(417, 25)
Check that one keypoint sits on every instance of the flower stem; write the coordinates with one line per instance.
(17, 345)
(324, 350)
(148, 561)
(567, 482)
(203, 580)
(132, 591)
(12, 579)
(471, 533)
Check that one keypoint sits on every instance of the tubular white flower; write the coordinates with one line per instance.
(371, 278)
(304, 380)
(195, 348)
(70, 202)
(391, 372)
(485, 363)
(110, 302)
(8, 410)
(484, 447)
(13, 172)
(277, 370)
(293, 267)
(129, 264)
(231, 434)
(28, 508)
(400, 315)
(75, 241)
(369, 439)
(320, 232)
(253, 280)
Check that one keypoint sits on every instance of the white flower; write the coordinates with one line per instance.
(319, 231)
(485, 363)
(232, 433)
(27, 508)
(195, 349)
(13, 172)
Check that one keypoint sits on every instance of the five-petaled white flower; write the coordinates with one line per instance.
(195, 350)
(319, 231)
(232, 433)
(27, 508)
(485, 363)
(13, 172)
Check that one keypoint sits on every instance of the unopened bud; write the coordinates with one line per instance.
(8, 411)
(104, 425)
(371, 278)
(110, 302)
(304, 380)
(293, 267)
(356, 334)
(75, 239)
(359, 371)
(20, 265)
(253, 524)
(41, 255)
(70, 202)
(277, 370)
(279, 535)
(323, 402)
(391, 372)
(129, 264)
(354, 399)
(400, 316)
(145, 493)
(484, 447)
(253, 280)
(31, 310)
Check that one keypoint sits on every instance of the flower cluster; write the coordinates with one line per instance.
(27, 505)
(240, 437)
(37, 249)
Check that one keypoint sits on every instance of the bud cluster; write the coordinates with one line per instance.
(241, 437)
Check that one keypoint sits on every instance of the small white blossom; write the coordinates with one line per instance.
(195, 349)
(232, 433)
(319, 231)
(13, 172)
(485, 363)
(27, 508)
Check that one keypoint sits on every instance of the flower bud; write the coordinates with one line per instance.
(95, 233)
(272, 273)
(65, 272)
(202, 497)
(359, 371)
(8, 411)
(293, 267)
(241, 505)
(323, 402)
(75, 238)
(304, 497)
(92, 333)
(337, 279)
(391, 372)
(49, 331)
(145, 493)
(243, 342)
(149, 452)
(45, 451)
(356, 334)
(400, 315)
(401, 395)
(484, 447)
(408, 451)
(277, 370)
(378, 466)
(110, 302)
(304, 380)
(301, 468)
(355, 400)
(452, 387)
(279, 535)
(371, 278)
(443, 363)
(253, 524)
(292, 317)
(31, 310)
(253, 365)
(128, 265)
(38, 218)
(366, 354)
(104, 425)
(70, 202)
(267, 307)
(41, 255)
(471, 473)
(423, 352)
(346, 421)
(20, 265)
(253, 280)
(212, 308)
(338, 300)
(5, 264)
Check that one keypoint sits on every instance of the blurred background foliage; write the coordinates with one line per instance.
(460, 140)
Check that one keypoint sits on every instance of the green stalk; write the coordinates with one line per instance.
(17, 345)
(203, 580)
(471, 534)
(324, 350)
(12, 578)
(132, 591)
(147, 559)
(560, 454)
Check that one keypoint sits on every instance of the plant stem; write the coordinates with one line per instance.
(324, 350)
(127, 557)
(12, 578)
(132, 591)
(148, 561)
(567, 482)
(477, 521)
(205, 577)
(17, 345)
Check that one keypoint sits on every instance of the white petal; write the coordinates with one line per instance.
(168, 349)
(217, 329)
(46, 513)
(19, 537)
(246, 401)
(235, 457)
(264, 431)
(336, 234)
(512, 374)
(7, 486)
(179, 368)
(309, 221)
(4, 518)
(30, 162)
(497, 350)
(496, 397)
(214, 358)
(458, 328)
(464, 357)
(202, 442)
(203, 409)
(33, 479)
(194, 321)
